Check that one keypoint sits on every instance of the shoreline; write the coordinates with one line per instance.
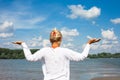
(107, 78)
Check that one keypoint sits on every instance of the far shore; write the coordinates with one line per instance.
(107, 78)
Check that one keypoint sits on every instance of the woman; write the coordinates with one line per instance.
(55, 60)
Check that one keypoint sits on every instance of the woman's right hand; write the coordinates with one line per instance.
(17, 42)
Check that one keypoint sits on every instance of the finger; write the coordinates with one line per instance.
(14, 42)
(98, 40)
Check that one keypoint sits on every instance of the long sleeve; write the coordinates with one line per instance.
(75, 56)
(29, 56)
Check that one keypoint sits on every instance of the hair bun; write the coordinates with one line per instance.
(55, 36)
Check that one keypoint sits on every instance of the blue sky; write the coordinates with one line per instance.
(31, 21)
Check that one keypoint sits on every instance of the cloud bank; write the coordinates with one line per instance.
(115, 21)
(109, 42)
(79, 11)
(6, 29)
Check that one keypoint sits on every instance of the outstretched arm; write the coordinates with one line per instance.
(28, 55)
(85, 52)
(75, 56)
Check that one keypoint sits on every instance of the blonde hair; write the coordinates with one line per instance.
(55, 36)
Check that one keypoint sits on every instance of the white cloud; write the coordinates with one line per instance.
(68, 45)
(5, 35)
(109, 39)
(109, 42)
(115, 42)
(89, 37)
(69, 32)
(105, 41)
(6, 29)
(6, 25)
(46, 43)
(38, 42)
(37, 38)
(115, 21)
(79, 11)
(95, 46)
(106, 46)
(108, 34)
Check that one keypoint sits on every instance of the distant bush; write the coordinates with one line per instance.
(105, 55)
(13, 53)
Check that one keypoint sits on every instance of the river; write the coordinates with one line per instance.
(21, 69)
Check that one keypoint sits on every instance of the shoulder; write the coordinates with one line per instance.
(64, 49)
(44, 49)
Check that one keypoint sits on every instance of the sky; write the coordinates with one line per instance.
(31, 21)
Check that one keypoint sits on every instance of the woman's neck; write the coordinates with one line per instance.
(55, 45)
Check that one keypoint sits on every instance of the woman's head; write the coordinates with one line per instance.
(55, 36)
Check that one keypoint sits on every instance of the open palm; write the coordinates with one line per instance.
(17, 42)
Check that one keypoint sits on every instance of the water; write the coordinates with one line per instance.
(20, 69)
(92, 68)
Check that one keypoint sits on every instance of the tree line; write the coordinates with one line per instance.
(6, 53)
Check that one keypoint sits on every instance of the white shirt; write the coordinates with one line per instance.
(55, 61)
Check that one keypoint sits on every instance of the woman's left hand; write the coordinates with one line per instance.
(94, 40)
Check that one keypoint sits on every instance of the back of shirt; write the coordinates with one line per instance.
(55, 63)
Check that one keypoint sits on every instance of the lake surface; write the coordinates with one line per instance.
(20, 69)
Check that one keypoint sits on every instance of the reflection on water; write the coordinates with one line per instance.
(91, 68)
(20, 69)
